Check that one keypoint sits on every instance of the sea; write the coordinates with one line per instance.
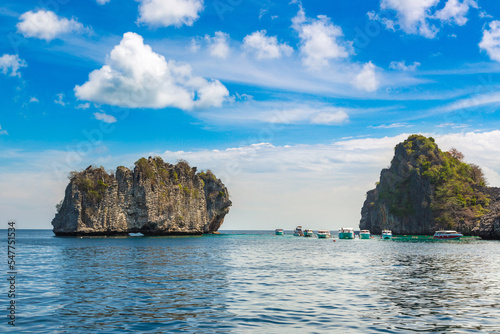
(249, 282)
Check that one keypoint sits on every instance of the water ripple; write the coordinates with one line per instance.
(254, 284)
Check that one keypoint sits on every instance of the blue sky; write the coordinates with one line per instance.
(296, 106)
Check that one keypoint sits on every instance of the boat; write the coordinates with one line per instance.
(279, 231)
(298, 232)
(386, 234)
(364, 234)
(308, 233)
(447, 235)
(346, 233)
(323, 234)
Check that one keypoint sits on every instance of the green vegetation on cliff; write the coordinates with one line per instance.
(455, 194)
(93, 183)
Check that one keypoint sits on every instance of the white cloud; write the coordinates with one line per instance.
(321, 40)
(136, 77)
(10, 64)
(83, 106)
(34, 100)
(452, 125)
(166, 13)
(390, 126)
(251, 113)
(3, 132)
(59, 99)
(101, 116)
(218, 45)
(367, 79)
(416, 17)
(102, 2)
(455, 11)
(265, 47)
(412, 15)
(471, 102)
(401, 66)
(47, 25)
(491, 40)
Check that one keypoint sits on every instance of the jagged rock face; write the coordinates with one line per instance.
(411, 214)
(489, 225)
(156, 198)
(425, 189)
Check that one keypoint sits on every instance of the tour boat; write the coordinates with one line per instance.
(386, 234)
(279, 231)
(447, 235)
(364, 234)
(298, 232)
(323, 234)
(308, 233)
(346, 233)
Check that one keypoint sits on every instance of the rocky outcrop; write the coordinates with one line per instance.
(489, 224)
(425, 189)
(155, 198)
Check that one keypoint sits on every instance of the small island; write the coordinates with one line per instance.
(155, 198)
(426, 189)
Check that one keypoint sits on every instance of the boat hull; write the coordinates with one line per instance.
(279, 232)
(308, 234)
(323, 236)
(364, 236)
(346, 235)
(387, 237)
(449, 237)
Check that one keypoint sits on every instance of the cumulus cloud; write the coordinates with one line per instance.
(418, 17)
(3, 132)
(321, 40)
(218, 45)
(136, 77)
(265, 47)
(401, 66)
(34, 100)
(367, 79)
(101, 116)
(455, 11)
(47, 25)
(102, 2)
(166, 13)
(10, 64)
(491, 40)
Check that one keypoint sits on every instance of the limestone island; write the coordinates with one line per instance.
(156, 198)
(426, 189)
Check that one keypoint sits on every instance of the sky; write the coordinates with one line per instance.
(296, 106)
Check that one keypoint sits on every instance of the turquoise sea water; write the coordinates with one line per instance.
(251, 283)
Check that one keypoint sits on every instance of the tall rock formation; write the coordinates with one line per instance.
(425, 189)
(156, 198)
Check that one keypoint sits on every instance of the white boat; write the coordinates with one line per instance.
(386, 234)
(447, 235)
(364, 234)
(279, 231)
(324, 234)
(308, 233)
(298, 232)
(346, 233)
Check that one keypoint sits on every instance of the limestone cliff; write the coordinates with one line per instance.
(425, 189)
(155, 198)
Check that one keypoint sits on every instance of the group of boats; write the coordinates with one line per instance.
(348, 233)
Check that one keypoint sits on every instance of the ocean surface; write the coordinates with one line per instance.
(251, 282)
